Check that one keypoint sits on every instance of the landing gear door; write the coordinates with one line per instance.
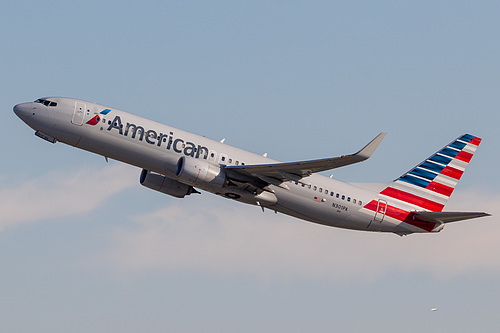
(79, 114)
(381, 210)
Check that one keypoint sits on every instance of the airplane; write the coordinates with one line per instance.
(179, 163)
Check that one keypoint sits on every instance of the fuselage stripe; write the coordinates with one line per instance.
(412, 199)
(423, 173)
(464, 156)
(414, 180)
(403, 216)
(458, 145)
(432, 166)
(475, 141)
(440, 159)
(467, 137)
(452, 172)
(440, 188)
(449, 152)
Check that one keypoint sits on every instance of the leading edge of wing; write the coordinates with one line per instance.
(297, 170)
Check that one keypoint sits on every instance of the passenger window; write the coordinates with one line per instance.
(360, 203)
(315, 188)
(331, 194)
(343, 197)
(237, 163)
(320, 190)
(223, 158)
(353, 201)
(337, 195)
(309, 186)
(230, 161)
(348, 199)
(326, 192)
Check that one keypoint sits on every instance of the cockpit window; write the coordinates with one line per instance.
(46, 102)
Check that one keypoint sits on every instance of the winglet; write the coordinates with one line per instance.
(368, 150)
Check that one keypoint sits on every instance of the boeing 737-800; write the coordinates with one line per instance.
(176, 162)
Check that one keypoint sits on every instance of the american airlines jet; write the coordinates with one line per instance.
(177, 163)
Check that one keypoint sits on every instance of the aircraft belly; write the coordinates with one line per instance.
(388, 225)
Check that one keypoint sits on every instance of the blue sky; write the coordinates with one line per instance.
(83, 247)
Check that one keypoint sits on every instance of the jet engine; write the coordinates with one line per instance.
(199, 173)
(165, 185)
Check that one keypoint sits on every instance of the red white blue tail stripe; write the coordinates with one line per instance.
(428, 186)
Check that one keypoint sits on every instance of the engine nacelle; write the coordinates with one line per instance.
(165, 185)
(199, 173)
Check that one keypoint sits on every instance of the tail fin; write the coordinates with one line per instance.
(429, 185)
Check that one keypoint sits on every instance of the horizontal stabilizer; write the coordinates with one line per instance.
(447, 217)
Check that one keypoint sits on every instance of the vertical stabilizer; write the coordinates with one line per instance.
(429, 185)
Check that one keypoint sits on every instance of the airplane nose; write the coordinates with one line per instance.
(21, 110)
(18, 109)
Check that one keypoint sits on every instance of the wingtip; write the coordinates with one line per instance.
(368, 150)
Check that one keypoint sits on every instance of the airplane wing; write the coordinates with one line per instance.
(277, 173)
(447, 217)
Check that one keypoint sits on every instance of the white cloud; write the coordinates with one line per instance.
(61, 194)
(210, 234)
(228, 238)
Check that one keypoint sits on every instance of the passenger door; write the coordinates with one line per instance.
(79, 114)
